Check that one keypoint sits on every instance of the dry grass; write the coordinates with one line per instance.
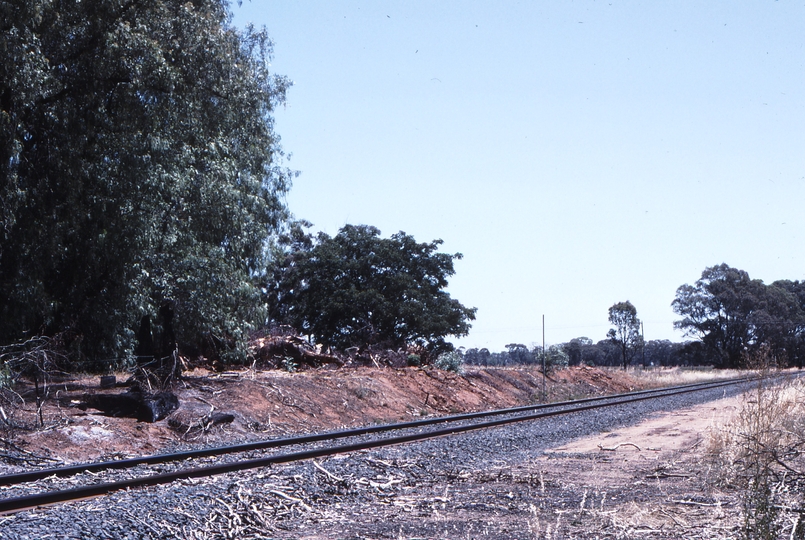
(673, 376)
(760, 451)
(771, 418)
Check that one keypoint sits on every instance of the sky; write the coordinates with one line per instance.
(578, 154)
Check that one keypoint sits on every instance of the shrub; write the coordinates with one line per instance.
(450, 361)
(555, 358)
(414, 360)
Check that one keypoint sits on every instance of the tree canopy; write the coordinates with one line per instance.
(139, 170)
(732, 314)
(358, 289)
(626, 334)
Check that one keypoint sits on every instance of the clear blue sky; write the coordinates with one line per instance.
(577, 153)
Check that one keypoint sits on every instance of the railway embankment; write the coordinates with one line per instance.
(261, 404)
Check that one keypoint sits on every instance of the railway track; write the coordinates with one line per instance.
(307, 447)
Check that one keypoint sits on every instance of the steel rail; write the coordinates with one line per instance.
(16, 504)
(31, 476)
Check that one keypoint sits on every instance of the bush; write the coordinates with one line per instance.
(555, 358)
(450, 361)
(414, 360)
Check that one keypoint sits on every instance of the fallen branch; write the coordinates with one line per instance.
(288, 498)
(663, 512)
(32, 457)
(210, 405)
(330, 475)
(695, 503)
(604, 448)
(660, 475)
(789, 508)
(380, 461)
(380, 485)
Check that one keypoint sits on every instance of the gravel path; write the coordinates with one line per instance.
(421, 490)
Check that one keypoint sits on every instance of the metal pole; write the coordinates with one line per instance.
(643, 343)
(544, 395)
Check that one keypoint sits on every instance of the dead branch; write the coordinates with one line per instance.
(695, 503)
(668, 514)
(612, 449)
(288, 498)
(660, 475)
(210, 405)
(27, 457)
(330, 475)
(380, 485)
(280, 347)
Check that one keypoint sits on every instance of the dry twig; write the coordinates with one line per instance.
(328, 473)
(612, 449)
(688, 502)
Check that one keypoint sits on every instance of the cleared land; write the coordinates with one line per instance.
(649, 479)
(274, 403)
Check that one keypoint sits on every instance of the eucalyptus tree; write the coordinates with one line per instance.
(716, 309)
(626, 334)
(139, 170)
(733, 314)
(520, 355)
(575, 349)
(790, 328)
(357, 289)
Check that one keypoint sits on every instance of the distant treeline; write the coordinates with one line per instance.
(736, 321)
(583, 351)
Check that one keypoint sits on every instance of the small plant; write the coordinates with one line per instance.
(287, 364)
(414, 360)
(6, 380)
(450, 361)
(760, 437)
(555, 358)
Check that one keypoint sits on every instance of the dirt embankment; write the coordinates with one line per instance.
(268, 404)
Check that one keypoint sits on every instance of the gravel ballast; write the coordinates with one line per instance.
(432, 484)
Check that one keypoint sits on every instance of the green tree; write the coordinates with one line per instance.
(626, 334)
(733, 314)
(575, 350)
(786, 329)
(358, 289)
(717, 309)
(139, 170)
(520, 355)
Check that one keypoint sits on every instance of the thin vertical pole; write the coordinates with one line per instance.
(544, 395)
(643, 343)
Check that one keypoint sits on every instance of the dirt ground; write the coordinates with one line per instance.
(649, 480)
(274, 403)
